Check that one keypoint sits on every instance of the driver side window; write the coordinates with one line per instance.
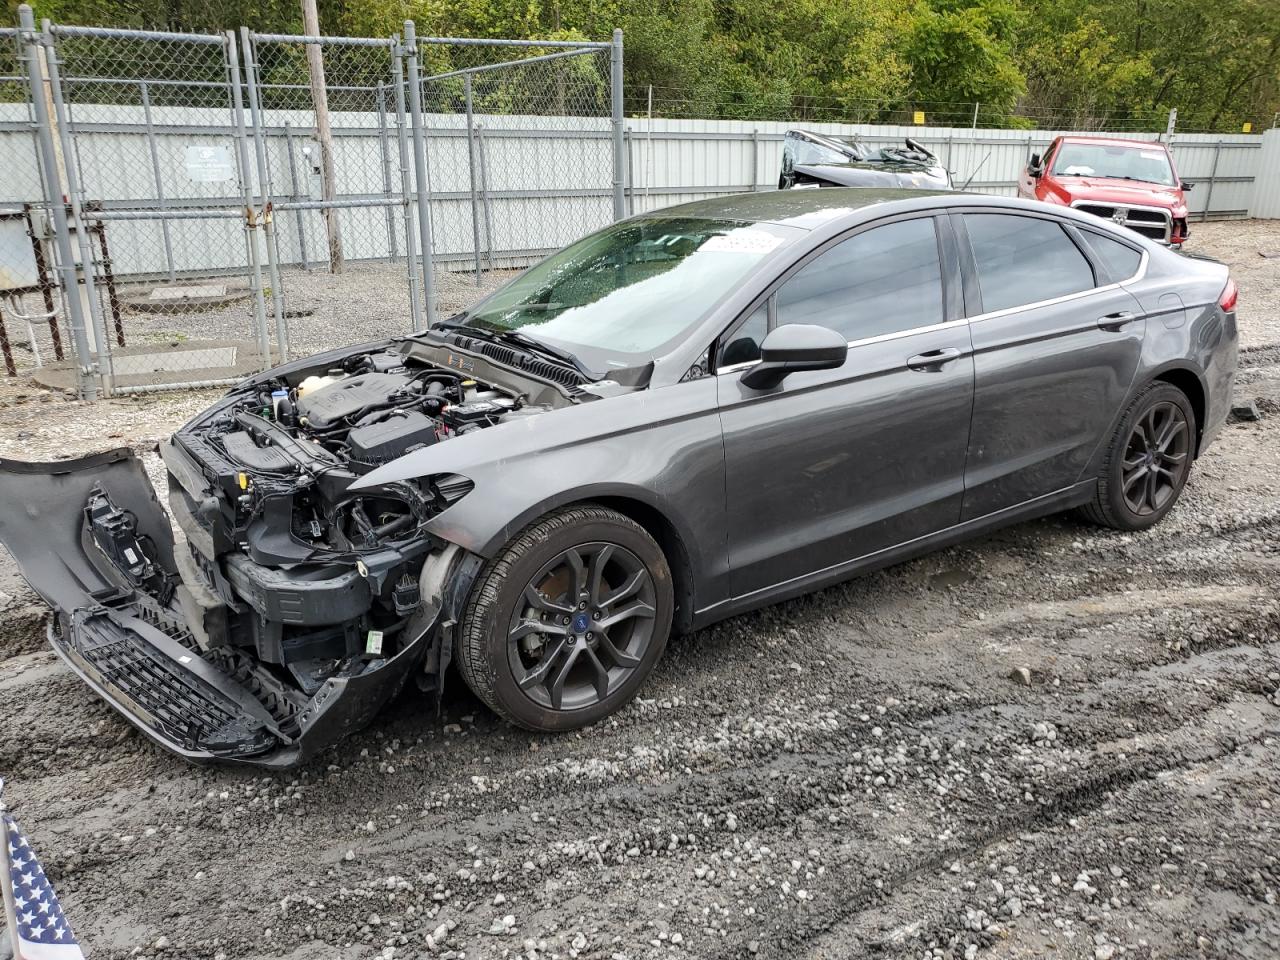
(883, 281)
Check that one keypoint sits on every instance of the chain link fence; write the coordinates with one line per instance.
(332, 153)
(520, 150)
(154, 164)
(190, 208)
(183, 209)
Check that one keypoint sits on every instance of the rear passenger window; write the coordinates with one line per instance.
(1024, 260)
(1120, 259)
(884, 280)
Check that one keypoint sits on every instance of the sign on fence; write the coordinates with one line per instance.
(209, 164)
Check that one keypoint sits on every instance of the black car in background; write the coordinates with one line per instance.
(822, 160)
(689, 414)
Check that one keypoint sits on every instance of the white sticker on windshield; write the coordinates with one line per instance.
(742, 241)
(1151, 155)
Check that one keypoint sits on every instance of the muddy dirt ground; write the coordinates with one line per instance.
(867, 771)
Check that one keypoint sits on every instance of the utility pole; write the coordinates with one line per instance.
(320, 101)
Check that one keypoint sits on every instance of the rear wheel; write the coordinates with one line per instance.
(564, 625)
(1148, 462)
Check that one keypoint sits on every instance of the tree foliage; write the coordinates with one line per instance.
(1066, 63)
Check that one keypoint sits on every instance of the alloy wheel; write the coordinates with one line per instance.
(1155, 459)
(583, 625)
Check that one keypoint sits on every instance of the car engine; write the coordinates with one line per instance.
(288, 560)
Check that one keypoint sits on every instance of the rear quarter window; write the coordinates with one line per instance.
(1120, 259)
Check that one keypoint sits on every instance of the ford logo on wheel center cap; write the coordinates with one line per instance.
(580, 623)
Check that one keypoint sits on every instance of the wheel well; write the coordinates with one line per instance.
(1189, 384)
(673, 548)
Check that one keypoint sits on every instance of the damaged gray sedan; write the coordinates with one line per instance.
(685, 416)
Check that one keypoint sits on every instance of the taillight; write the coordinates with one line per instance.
(1230, 294)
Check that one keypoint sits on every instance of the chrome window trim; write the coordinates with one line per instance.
(994, 314)
(1168, 217)
(1143, 255)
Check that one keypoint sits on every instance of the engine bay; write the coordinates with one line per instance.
(287, 559)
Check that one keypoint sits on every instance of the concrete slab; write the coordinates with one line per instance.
(190, 361)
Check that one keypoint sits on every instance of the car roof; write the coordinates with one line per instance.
(806, 209)
(836, 207)
(1114, 141)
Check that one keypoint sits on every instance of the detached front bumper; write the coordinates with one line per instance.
(91, 538)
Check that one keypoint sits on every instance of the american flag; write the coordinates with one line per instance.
(42, 930)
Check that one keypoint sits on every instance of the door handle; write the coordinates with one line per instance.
(1115, 321)
(934, 360)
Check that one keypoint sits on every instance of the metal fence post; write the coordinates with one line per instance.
(1213, 176)
(264, 193)
(420, 171)
(384, 150)
(76, 195)
(246, 194)
(619, 159)
(471, 174)
(57, 211)
(293, 185)
(406, 184)
(631, 170)
(155, 173)
(755, 159)
(486, 207)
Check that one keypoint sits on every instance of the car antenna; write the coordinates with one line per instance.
(975, 172)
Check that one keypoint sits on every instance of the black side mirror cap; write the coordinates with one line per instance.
(1035, 167)
(793, 347)
(1185, 185)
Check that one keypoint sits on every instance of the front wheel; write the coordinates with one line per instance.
(564, 625)
(1148, 462)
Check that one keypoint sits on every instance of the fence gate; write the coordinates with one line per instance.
(149, 148)
(333, 161)
(191, 208)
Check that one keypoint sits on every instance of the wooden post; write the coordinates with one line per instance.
(320, 100)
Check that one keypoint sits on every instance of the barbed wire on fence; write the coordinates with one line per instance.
(679, 103)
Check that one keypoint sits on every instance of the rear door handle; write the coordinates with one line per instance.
(934, 360)
(1115, 321)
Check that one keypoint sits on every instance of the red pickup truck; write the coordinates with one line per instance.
(1131, 182)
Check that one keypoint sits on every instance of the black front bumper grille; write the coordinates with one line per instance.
(1150, 223)
(164, 695)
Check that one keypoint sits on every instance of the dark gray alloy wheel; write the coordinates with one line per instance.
(1155, 459)
(1148, 460)
(564, 625)
(587, 622)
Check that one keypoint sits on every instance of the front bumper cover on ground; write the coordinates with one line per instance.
(92, 539)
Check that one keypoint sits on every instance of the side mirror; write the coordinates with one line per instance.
(794, 347)
(1185, 185)
(1035, 167)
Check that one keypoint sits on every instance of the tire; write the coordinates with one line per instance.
(514, 643)
(1126, 498)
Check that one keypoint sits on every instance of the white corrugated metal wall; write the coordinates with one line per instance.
(671, 159)
(548, 178)
(1266, 189)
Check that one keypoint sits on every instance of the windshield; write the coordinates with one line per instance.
(1123, 162)
(618, 297)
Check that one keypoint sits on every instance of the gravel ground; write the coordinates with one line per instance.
(1053, 741)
